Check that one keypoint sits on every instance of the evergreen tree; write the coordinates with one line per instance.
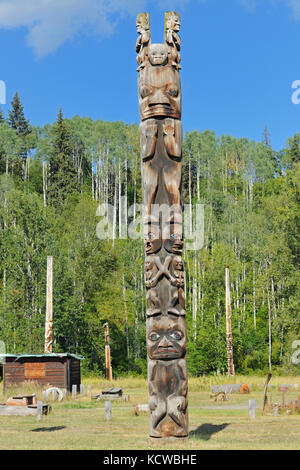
(16, 117)
(62, 175)
(295, 150)
(2, 118)
(17, 121)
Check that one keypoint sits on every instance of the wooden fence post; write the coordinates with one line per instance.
(252, 407)
(39, 410)
(108, 410)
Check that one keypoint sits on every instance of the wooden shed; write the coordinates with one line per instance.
(56, 370)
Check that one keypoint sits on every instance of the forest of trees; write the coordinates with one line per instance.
(53, 178)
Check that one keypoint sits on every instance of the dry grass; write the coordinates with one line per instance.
(80, 423)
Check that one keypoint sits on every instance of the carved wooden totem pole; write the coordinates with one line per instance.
(159, 93)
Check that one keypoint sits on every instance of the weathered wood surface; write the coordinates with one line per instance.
(112, 391)
(49, 307)
(159, 92)
(252, 409)
(108, 410)
(230, 363)
(31, 410)
(107, 353)
(141, 409)
(109, 396)
(265, 399)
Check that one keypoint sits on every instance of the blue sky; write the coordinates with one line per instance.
(239, 60)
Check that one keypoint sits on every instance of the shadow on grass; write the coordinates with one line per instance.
(53, 428)
(206, 430)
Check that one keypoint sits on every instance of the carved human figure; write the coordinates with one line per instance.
(172, 131)
(172, 38)
(143, 40)
(152, 236)
(161, 269)
(167, 163)
(152, 300)
(177, 280)
(166, 346)
(158, 54)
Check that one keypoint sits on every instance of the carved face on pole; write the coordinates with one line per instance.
(178, 263)
(152, 238)
(158, 54)
(159, 91)
(166, 338)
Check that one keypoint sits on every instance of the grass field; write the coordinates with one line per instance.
(79, 424)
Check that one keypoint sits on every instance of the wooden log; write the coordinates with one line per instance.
(74, 391)
(81, 389)
(226, 388)
(112, 391)
(141, 409)
(11, 410)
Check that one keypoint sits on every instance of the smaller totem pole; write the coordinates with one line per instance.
(49, 303)
(107, 353)
(228, 325)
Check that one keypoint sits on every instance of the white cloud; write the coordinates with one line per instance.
(249, 4)
(295, 7)
(50, 23)
(292, 5)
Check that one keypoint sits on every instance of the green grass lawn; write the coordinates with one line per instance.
(80, 423)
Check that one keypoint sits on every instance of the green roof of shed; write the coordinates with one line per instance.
(19, 356)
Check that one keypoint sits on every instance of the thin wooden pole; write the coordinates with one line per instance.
(49, 307)
(228, 325)
(107, 353)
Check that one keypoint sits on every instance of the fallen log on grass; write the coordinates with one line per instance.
(231, 388)
(141, 409)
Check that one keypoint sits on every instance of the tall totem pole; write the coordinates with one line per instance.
(159, 92)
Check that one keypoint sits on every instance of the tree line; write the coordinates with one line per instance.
(53, 178)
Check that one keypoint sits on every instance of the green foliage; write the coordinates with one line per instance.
(62, 176)
(251, 203)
